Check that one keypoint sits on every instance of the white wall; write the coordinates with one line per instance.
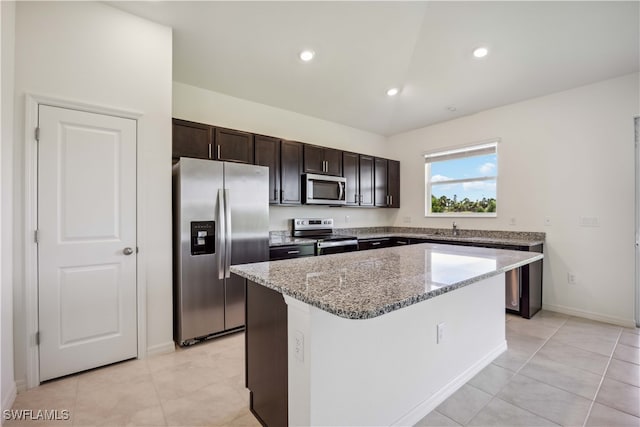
(564, 156)
(92, 53)
(7, 37)
(200, 105)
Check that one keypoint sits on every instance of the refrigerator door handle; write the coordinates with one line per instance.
(220, 235)
(227, 210)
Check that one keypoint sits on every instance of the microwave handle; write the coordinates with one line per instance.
(341, 187)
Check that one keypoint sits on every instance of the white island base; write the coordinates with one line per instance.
(390, 369)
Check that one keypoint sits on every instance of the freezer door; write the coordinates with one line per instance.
(247, 198)
(198, 283)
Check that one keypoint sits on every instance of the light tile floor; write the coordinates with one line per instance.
(558, 370)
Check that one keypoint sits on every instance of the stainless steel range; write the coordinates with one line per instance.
(321, 229)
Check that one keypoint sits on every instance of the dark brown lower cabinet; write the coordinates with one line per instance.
(266, 361)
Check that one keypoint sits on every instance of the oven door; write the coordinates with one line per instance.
(336, 247)
(324, 190)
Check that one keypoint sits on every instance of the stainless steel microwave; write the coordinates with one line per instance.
(324, 189)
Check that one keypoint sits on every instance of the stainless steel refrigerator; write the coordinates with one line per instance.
(221, 217)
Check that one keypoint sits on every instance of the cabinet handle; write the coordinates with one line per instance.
(210, 151)
(375, 243)
(218, 152)
(390, 200)
(293, 252)
(400, 242)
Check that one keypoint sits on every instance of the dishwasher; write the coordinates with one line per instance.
(512, 300)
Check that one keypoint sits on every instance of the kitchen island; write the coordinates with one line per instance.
(378, 337)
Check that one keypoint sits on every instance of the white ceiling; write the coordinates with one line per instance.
(250, 50)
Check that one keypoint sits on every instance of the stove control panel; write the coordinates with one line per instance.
(312, 223)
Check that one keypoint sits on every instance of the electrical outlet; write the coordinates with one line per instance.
(589, 221)
(572, 279)
(347, 218)
(299, 346)
(440, 329)
(547, 221)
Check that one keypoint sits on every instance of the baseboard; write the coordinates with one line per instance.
(164, 348)
(628, 323)
(428, 405)
(21, 385)
(7, 401)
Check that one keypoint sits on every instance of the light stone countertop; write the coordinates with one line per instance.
(450, 237)
(281, 240)
(367, 284)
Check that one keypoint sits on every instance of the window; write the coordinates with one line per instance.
(462, 182)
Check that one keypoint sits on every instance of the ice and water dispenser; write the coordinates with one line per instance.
(203, 237)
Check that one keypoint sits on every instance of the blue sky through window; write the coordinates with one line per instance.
(465, 168)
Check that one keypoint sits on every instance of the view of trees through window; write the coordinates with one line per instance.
(462, 181)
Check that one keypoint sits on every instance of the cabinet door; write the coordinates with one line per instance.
(233, 145)
(351, 168)
(191, 139)
(290, 172)
(366, 180)
(377, 243)
(393, 183)
(313, 159)
(333, 161)
(380, 183)
(267, 153)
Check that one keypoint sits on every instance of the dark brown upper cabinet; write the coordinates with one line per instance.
(358, 170)
(387, 183)
(351, 170)
(393, 183)
(192, 139)
(267, 153)
(233, 145)
(366, 180)
(322, 160)
(381, 198)
(290, 173)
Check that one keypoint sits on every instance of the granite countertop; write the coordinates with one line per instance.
(448, 237)
(514, 238)
(281, 240)
(367, 284)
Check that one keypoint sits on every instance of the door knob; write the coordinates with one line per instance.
(127, 251)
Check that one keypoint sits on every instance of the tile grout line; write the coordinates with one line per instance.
(155, 388)
(593, 402)
(495, 396)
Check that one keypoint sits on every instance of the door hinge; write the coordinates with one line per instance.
(35, 236)
(37, 134)
(38, 338)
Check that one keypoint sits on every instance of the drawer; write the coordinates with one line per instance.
(291, 251)
(364, 244)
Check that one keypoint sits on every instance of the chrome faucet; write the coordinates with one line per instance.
(455, 229)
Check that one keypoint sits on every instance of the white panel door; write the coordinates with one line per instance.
(86, 240)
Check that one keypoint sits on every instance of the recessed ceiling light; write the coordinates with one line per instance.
(480, 52)
(307, 55)
(393, 91)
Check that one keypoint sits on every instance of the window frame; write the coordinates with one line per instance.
(465, 151)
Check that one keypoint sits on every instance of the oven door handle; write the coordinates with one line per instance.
(330, 244)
